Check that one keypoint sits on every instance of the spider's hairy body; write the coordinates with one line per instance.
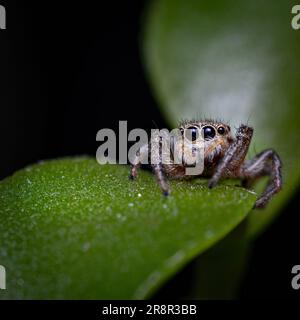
(224, 157)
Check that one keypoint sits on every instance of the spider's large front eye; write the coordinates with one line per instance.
(209, 132)
(192, 133)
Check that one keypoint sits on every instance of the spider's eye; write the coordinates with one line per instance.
(181, 130)
(192, 133)
(221, 130)
(209, 132)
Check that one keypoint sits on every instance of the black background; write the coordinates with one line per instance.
(69, 69)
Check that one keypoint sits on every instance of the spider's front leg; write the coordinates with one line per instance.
(157, 168)
(139, 158)
(156, 162)
(266, 163)
(229, 165)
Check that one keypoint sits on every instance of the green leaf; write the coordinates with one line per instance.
(71, 229)
(234, 60)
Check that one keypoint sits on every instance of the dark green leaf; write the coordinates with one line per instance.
(74, 229)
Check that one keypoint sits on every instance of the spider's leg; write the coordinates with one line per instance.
(156, 162)
(235, 155)
(266, 163)
(137, 160)
(157, 168)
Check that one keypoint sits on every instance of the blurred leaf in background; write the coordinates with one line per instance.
(237, 61)
(232, 60)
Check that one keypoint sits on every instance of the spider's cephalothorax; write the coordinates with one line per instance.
(224, 157)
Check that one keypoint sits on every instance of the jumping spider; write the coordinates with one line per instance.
(224, 157)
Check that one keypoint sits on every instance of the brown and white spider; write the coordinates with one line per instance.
(224, 157)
